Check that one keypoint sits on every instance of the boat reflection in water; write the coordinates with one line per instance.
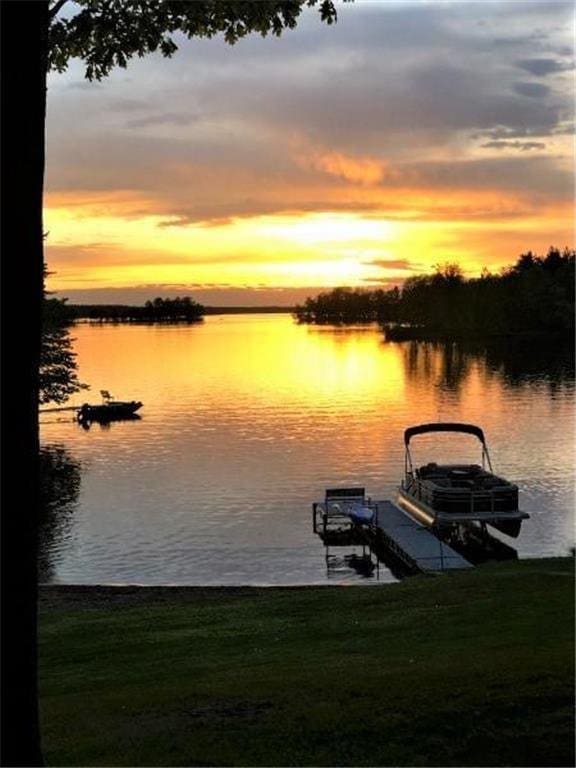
(105, 422)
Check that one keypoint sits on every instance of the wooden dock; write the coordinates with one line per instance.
(410, 542)
(62, 408)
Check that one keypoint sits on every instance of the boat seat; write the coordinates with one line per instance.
(427, 469)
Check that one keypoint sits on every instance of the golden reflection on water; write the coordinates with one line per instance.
(248, 418)
(272, 361)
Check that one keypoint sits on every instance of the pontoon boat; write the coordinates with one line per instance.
(450, 497)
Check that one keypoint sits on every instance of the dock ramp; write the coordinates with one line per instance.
(412, 542)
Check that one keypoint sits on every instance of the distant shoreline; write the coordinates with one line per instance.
(92, 311)
(247, 310)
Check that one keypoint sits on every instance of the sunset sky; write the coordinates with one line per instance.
(406, 135)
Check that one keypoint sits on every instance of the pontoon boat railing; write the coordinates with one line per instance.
(497, 499)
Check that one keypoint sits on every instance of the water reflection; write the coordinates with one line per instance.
(106, 423)
(59, 488)
(442, 364)
(516, 362)
(550, 362)
(248, 419)
(365, 565)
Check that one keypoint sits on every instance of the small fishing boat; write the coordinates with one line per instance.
(451, 497)
(109, 410)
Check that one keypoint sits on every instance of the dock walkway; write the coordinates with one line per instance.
(414, 543)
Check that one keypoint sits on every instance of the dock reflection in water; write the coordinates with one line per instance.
(249, 418)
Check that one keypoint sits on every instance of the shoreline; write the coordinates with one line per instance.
(69, 595)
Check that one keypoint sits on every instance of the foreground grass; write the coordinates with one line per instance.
(466, 669)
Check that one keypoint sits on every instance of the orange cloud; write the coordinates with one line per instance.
(360, 170)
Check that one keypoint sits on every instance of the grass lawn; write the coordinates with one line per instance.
(467, 669)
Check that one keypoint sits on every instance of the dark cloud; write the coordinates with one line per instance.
(375, 106)
(516, 41)
(523, 146)
(512, 174)
(504, 133)
(386, 78)
(532, 90)
(543, 67)
(403, 264)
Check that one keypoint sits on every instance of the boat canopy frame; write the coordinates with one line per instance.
(470, 429)
(446, 426)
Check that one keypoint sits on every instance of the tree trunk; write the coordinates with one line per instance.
(24, 67)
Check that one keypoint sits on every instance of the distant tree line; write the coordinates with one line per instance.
(171, 310)
(125, 313)
(536, 294)
(156, 311)
(350, 305)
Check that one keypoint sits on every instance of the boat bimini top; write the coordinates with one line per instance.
(470, 429)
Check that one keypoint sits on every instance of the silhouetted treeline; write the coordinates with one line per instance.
(350, 305)
(125, 313)
(173, 309)
(536, 294)
(156, 311)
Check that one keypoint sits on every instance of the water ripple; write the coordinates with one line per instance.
(248, 419)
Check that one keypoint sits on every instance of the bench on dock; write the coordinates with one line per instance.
(338, 499)
(342, 507)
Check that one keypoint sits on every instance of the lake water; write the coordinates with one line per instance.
(248, 418)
